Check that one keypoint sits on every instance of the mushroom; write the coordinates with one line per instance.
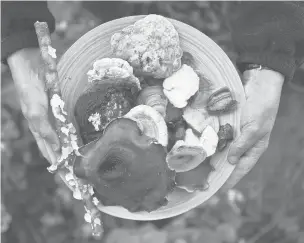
(111, 93)
(199, 119)
(184, 157)
(150, 45)
(213, 97)
(127, 168)
(225, 135)
(221, 101)
(181, 85)
(153, 96)
(150, 122)
(195, 179)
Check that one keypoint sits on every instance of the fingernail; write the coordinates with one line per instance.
(233, 160)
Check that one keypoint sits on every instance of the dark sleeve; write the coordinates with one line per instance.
(269, 34)
(17, 25)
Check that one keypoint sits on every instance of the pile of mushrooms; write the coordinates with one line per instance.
(149, 119)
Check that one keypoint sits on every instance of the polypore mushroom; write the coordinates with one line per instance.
(111, 93)
(127, 168)
(150, 122)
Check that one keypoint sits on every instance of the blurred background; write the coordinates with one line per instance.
(267, 206)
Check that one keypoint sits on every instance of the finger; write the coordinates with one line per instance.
(44, 147)
(249, 136)
(47, 133)
(246, 163)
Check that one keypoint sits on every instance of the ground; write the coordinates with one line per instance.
(266, 206)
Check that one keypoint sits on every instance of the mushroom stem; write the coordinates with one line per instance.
(65, 130)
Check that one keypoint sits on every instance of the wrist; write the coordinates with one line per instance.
(22, 56)
(267, 75)
(25, 59)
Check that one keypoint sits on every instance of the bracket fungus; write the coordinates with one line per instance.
(151, 45)
(111, 94)
(184, 157)
(195, 179)
(127, 168)
(221, 101)
(153, 96)
(150, 122)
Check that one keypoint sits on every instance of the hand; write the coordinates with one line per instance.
(25, 66)
(263, 91)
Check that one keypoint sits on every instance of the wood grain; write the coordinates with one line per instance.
(211, 61)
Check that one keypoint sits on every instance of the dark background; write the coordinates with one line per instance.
(267, 206)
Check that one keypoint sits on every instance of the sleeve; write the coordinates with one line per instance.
(17, 25)
(269, 34)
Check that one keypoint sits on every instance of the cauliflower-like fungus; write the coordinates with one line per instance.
(181, 85)
(151, 45)
(127, 168)
(111, 93)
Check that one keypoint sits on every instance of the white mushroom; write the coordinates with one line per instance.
(181, 85)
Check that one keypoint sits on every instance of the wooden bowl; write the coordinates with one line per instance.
(210, 59)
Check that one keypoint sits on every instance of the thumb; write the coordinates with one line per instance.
(246, 163)
(244, 142)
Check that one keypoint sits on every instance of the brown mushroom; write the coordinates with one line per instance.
(127, 168)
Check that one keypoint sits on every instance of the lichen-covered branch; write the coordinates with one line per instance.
(65, 130)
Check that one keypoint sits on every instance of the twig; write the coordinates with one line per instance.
(65, 130)
(281, 210)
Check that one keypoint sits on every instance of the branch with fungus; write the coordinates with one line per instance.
(65, 130)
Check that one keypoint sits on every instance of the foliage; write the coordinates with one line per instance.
(266, 207)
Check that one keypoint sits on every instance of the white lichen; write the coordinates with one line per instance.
(65, 131)
(95, 120)
(57, 105)
(72, 183)
(52, 52)
(90, 189)
(95, 201)
(88, 218)
(181, 85)
(97, 221)
(77, 194)
(69, 176)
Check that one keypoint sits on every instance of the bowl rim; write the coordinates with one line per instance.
(197, 199)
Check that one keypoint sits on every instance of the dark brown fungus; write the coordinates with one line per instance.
(127, 168)
(221, 101)
(225, 135)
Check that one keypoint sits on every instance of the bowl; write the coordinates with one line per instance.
(210, 60)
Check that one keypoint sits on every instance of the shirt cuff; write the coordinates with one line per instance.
(16, 42)
(279, 63)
